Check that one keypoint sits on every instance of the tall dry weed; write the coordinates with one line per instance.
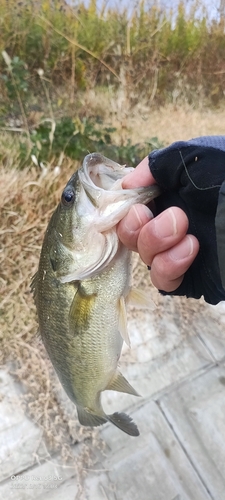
(158, 49)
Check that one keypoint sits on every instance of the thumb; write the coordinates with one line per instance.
(141, 176)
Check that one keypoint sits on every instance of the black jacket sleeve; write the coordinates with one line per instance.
(191, 175)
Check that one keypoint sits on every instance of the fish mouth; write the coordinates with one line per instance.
(102, 172)
(101, 179)
(93, 159)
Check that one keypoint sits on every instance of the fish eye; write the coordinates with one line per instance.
(68, 197)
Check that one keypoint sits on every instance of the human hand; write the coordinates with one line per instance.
(191, 176)
(162, 242)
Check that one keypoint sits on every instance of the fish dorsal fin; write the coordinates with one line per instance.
(139, 299)
(124, 423)
(120, 384)
(123, 321)
(34, 286)
(34, 282)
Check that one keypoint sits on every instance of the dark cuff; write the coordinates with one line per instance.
(191, 175)
(220, 232)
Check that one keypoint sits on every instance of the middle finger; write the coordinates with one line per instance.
(161, 233)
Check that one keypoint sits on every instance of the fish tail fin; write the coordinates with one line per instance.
(124, 422)
(89, 419)
(120, 420)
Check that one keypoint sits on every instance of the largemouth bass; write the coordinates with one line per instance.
(83, 284)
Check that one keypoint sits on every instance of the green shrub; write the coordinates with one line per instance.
(77, 137)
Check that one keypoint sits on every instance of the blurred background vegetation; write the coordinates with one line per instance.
(54, 53)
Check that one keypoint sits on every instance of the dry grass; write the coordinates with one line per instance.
(142, 121)
(172, 123)
(27, 199)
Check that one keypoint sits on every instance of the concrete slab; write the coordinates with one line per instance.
(156, 361)
(66, 491)
(153, 466)
(212, 333)
(20, 438)
(43, 480)
(196, 413)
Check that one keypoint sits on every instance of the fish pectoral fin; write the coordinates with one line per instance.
(139, 299)
(124, 422)
(80, 309)
(120, 384)
(123, 321)
(89, 419)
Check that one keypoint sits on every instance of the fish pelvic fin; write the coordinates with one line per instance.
(139, 299)
(124, 423)
(89, 419)
(120, 384)
(123, 321)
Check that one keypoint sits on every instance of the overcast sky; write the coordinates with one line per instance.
(212, 6)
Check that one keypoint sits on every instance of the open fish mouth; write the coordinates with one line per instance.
(103, 172)
(101, 179)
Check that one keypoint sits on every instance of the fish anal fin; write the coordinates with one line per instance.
(139, 299)
(89, 419)
(123, 321)
(120, 384)
(124, 423)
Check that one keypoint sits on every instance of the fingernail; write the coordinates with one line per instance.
(137, 217)
(165, 224)
(182, 250)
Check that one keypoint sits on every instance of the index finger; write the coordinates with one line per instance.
(141, 176)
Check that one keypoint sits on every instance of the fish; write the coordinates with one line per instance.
(82, 287)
